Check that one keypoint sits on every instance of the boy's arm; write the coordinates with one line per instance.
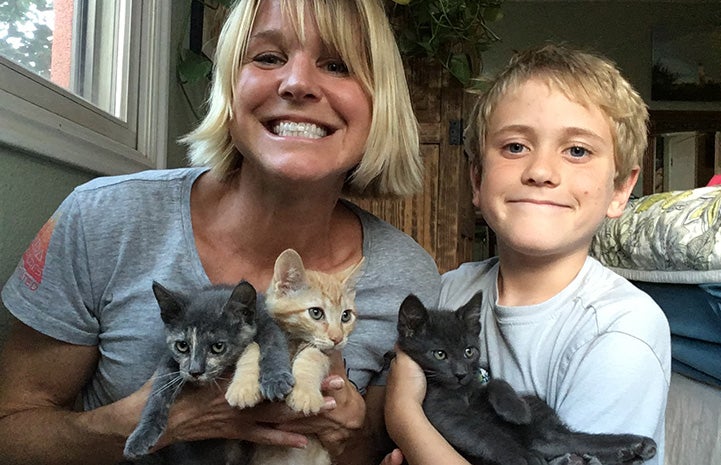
(407, 424)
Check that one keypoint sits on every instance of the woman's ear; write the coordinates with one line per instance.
(621, 194)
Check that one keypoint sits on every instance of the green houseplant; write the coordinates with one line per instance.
(453, 33)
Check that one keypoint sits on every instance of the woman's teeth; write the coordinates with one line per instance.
(292, 129)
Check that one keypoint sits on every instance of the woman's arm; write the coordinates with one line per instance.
(40, 379)
(407, 424)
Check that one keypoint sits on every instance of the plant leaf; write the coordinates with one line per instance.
(459, 66)
(193, 67)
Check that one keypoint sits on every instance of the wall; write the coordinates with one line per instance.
(32, 186)
(621, 30)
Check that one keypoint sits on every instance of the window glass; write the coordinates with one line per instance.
(79, 45)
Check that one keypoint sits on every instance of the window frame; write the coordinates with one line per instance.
(42, 118)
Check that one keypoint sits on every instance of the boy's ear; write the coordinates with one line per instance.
(621, 195)
(475, 173)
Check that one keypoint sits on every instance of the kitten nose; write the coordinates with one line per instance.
(460, 377)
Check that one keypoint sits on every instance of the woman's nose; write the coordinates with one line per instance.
(300, 81)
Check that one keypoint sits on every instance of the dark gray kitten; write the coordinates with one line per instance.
(490, 423)
(206, 332)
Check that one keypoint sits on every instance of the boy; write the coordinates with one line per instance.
(561, 136)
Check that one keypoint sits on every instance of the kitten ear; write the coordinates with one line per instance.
(412, 316)
(352, 274)
(470, 313)
(242, 301)
(170, 307)
(289, 273)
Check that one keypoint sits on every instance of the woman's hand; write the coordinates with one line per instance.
(202, 412)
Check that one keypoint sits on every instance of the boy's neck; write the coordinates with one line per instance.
(524, 280)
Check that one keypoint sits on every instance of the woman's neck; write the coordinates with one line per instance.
(250, 225)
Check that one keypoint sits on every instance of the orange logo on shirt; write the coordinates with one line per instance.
(34, 257)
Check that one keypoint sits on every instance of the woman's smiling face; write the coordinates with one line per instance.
(297, 112)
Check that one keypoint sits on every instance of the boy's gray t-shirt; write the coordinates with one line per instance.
(86, 278)
(598, 352)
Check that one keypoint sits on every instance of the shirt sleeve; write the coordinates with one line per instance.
(50, 289)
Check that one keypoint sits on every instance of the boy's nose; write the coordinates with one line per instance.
(542, 169)
(300, 80)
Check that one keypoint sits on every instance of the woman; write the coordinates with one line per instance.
(308, 101)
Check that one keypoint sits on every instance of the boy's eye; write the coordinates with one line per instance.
(578, 152)
(439, 354)
(514, 147)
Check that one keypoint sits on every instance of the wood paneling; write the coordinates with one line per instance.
(441, 218)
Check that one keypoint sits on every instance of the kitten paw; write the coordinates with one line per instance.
(276, 386)
(306, 401)
(644, 448)
(139, 444)
(242, 394)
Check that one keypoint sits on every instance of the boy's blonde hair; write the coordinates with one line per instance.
(358, 30)
(583, 77)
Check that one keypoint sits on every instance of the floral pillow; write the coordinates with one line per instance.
(669, 237)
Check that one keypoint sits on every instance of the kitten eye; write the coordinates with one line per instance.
(346, 316)
(316, 313)
(218, 348)
(470, 352)
(182, 346)
(440, 354)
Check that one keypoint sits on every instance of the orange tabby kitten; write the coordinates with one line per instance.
(317, 313)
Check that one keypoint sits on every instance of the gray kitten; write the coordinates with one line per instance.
(490, 424)
(207, 331)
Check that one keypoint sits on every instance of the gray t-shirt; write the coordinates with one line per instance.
(598, 352)
(86, 278)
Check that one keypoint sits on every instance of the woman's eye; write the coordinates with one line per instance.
(316, 313)
(439, 354)
(578, 152)
(218, 347)
(181, 346)
(346, 316)
(267, 59)
(337, 67)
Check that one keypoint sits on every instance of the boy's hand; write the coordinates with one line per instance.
(406, 380)
(395, 457)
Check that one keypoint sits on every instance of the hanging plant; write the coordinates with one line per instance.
(453, 33)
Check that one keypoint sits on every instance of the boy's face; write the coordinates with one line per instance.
(547, 174)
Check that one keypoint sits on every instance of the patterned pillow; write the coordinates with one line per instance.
(669, 237)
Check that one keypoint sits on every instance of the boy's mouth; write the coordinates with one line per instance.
(294, 129)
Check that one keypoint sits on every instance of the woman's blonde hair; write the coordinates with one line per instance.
(583, 77)
(358, 30)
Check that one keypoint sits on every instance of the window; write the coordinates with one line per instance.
(86, 81)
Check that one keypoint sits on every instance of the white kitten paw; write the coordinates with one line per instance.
(242, 394)
(305, 400)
